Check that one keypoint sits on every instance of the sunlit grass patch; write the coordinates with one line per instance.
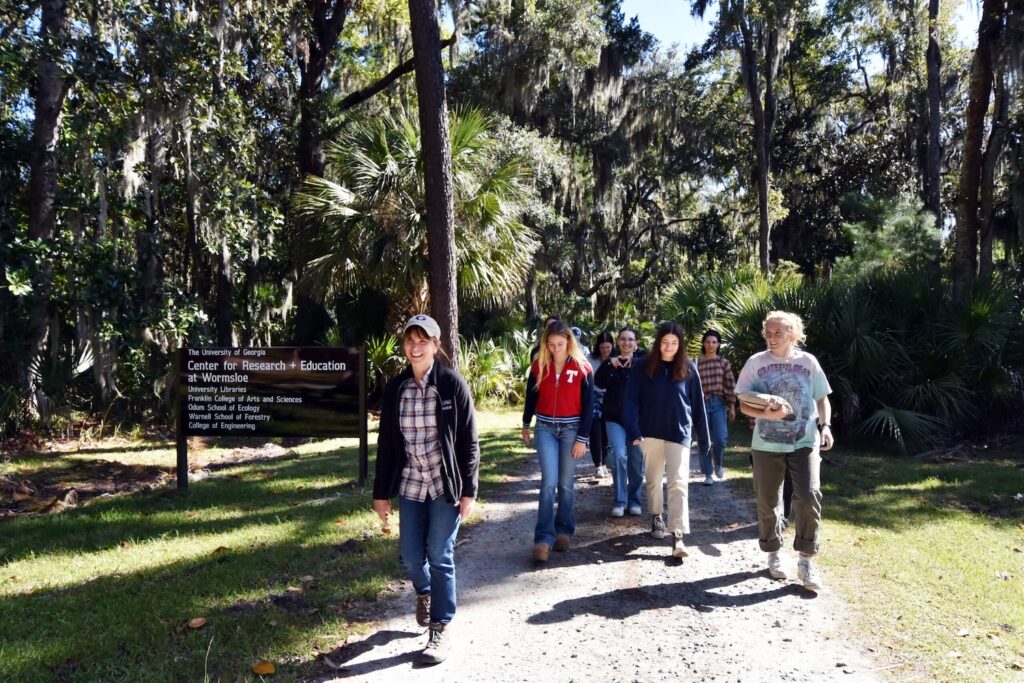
(281, 555)
(936, 582)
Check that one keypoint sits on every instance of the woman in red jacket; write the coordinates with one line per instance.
(560, 391)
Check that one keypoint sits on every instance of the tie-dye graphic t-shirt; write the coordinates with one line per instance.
(800, 380)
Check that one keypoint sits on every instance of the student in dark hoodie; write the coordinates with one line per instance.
(428, 455)
(663, 406)
(627, 460)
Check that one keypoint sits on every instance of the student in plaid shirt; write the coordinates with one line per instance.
(720, 401)
(428, 455)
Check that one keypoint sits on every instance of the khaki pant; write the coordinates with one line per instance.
(804, 465)
(674, 460)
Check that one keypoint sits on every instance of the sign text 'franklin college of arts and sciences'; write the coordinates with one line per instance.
(270, 391)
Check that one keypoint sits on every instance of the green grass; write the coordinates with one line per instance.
(105, 591)
(919, 551)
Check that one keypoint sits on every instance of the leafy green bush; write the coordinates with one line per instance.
(905, 361)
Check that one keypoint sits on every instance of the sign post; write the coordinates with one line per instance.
(270, 391)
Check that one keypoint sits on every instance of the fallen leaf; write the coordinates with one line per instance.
(263, 668)
(734, 525)
(15, 577)
(341, 522)
(192, 515)
(198, 622)
(220, 549)
(293, 589)
(1017, 550)
(307, 578)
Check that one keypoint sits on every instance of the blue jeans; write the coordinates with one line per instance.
(718, 425)
(426, 546)
(627, 463)
(557, 480)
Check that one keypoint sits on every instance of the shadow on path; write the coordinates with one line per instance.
(699, 595)
(379, 639)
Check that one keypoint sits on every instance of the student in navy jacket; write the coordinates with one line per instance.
(663, 406)
(428, 455)
(560, 391)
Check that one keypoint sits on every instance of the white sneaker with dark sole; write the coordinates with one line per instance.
(775, 569)
(618, 511)
(678, 549)
(808, 573)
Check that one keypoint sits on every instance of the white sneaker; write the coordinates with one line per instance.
(720, 472)
(808, 573)
(775, 566)
(678, 549)
(618, 511)
(635, 510)
(708, 480)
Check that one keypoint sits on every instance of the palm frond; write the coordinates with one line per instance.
(910, 429)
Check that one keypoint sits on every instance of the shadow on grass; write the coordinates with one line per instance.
(891, 492)
(132, 626)
(261, 496)
(129, 623)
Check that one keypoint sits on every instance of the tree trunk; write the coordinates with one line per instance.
(437, 172)
(965, 256)
(751, 83)
(532, 312)
(224, 293)
(989, 162)
(328, 19)
(51, 90)
(933, 161)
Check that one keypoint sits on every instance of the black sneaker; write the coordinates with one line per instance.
(423, 609)
(658, 527)
(438, 644)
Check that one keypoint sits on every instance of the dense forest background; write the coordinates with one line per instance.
(249, 173)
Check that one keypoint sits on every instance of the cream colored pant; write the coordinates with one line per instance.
(673, 459)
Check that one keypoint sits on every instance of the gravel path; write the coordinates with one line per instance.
(616, 606)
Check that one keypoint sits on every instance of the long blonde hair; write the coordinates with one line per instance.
(544, 359)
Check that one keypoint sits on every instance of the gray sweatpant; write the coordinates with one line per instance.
(769, 469)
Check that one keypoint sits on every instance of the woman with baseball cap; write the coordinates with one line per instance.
(428, 455)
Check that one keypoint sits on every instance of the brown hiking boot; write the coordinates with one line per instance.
(562, 542)
(540, 552)
(439, 641)
(423, 609)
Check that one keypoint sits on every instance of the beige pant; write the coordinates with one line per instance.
(674, 460)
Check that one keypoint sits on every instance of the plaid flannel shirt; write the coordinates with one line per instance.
(417, 419)
(716, 378)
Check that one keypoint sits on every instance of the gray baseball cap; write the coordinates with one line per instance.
(426, 323)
